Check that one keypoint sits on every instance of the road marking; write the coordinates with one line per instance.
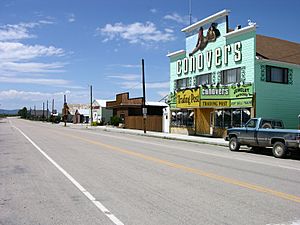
(231, 156)
(98, 204)
(227, 180)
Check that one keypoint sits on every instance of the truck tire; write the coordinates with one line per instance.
(279, 149)
(234, 145)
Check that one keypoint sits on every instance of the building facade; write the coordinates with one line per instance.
(224, 77)
(132, 115)
(100, 113)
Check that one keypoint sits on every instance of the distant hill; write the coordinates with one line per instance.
(9, 112)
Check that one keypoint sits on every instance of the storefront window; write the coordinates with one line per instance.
(182, 118)
(236, 117)
(246, 115)
(226, 118)
(219, 118)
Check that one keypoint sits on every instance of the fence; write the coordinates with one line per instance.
(153, 123)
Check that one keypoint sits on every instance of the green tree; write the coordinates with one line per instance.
(23, 113)
(115, 120)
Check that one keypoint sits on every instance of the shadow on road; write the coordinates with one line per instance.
(294, 155)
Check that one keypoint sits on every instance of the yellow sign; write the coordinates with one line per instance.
(241, 102)
(188, 98)
(215, 103)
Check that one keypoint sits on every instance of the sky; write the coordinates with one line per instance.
(49, 49)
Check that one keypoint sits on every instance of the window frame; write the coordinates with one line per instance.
(224, 76)
(186, 83)
(285, 74)
(208, 80)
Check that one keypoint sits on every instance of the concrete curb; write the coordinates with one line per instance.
(179, 137)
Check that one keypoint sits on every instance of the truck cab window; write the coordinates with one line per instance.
(251, 123)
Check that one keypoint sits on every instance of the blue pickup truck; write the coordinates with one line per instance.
(262, 133)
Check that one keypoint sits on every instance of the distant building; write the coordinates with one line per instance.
(79, 113)
(39, 113)
(130, 111)
(100, 113)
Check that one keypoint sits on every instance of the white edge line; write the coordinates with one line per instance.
(98, 204)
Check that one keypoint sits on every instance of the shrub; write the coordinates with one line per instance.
(115, 120)
(94, 124)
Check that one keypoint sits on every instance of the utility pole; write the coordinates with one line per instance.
(43, 111)
(65, 111)
(47, 111)
(34, 112)
(91, 104)
(144, 109)
(52, 117)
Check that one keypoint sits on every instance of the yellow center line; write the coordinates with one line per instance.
(227, 180)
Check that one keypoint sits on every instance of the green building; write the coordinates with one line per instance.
(225, 76)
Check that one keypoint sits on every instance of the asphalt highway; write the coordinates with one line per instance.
(50, 174)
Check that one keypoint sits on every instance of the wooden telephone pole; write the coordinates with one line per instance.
(144, 109)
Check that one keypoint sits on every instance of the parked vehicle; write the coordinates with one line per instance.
(261, 133)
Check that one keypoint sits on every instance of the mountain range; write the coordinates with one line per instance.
(9, 112)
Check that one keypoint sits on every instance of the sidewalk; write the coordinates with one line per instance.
(181, 137)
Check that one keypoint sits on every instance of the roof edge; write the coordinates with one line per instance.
(172, 54)
(280, 62)
(240, 31)
(215, 16)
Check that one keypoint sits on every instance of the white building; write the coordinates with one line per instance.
(100, 113)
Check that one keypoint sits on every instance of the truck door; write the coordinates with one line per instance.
(249, 136)
(263, 136)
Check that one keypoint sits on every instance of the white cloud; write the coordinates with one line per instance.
(135, 33)
(40, 81)
(128, 77)
(71, 17)
(14, 99)
(15, 51)
(153, 10)
(124, 65)
(16, 31)
(20, 63)
(31, 67)
(138, 85)
(168, 30)
(28, 95)
(46, 22)
(184, 20)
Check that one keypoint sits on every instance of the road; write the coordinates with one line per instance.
(50, 174)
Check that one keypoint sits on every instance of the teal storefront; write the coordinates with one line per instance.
(233, 82)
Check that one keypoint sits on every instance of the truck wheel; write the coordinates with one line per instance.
(279, 149)
(234, 145)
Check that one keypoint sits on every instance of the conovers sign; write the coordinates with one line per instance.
(215, 57)
(230, 92)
